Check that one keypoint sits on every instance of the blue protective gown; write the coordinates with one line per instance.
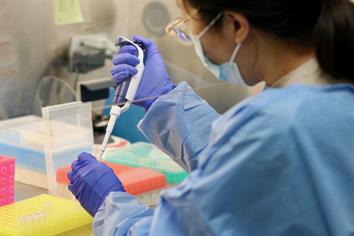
(281, 163)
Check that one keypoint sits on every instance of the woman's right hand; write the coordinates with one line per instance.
(155, 81)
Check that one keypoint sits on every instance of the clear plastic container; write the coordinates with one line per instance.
(148, 156)
(74, 113)
(34, 140)
(42, 215)
(25, 157)
(19, 121)
(47, 144)
(31, 177)
(6, 129)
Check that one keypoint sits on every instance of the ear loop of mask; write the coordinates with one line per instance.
(207, 28)
(235, 52)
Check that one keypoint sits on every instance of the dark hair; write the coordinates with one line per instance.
(326, 25)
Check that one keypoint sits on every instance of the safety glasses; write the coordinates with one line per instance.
(179, 29)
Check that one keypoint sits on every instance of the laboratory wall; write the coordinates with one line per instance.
(34, 47)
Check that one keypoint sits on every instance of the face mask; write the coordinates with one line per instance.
(228, 71)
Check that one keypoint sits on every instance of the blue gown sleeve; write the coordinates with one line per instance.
(122, 214)
(179, 123)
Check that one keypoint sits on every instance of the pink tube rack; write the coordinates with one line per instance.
(7, 180)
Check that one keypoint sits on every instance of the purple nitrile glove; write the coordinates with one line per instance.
(155, 81)
(92, 181)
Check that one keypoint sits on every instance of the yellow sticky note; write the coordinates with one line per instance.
(67, 12)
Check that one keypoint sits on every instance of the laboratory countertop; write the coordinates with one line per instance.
(24, 191)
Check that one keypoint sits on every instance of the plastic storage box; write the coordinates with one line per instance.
(7, 180)
(148, 156)
(43, 215)
(42, 145)
(141, 182)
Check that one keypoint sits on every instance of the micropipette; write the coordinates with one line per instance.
(124, 94)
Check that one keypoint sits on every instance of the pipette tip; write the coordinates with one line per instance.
(99, 155)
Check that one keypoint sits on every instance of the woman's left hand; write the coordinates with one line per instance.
(92, 181)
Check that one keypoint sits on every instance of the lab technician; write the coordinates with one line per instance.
(280, 163)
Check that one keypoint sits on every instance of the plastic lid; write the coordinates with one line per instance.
(148, 156)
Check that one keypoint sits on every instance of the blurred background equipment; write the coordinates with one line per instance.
(61, 53)
(71, 44)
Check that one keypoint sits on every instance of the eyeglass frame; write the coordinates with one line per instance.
(175, 25)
